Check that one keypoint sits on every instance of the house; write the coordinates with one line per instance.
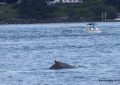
(2, 2)
(10, 2)
(67, 1)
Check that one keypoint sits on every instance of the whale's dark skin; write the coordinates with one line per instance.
(60, 65)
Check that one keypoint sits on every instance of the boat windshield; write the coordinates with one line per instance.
(91, 25)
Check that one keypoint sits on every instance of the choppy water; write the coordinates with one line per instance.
(27, 51)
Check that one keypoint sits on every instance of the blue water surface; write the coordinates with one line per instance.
(27, 52)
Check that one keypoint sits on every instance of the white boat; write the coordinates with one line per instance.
(91, 28)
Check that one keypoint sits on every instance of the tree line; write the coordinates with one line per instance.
(42, 9)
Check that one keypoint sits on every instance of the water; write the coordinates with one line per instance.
(27, 51)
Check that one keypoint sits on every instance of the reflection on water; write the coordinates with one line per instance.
(27, 51)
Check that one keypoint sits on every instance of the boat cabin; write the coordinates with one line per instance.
(92, 28)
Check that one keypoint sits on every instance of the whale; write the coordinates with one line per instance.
(61, 65)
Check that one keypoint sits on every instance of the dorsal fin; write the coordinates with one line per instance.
(55, 61)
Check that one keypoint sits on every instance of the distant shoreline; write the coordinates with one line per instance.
(35, 21)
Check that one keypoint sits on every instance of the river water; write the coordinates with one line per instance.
(27, 52)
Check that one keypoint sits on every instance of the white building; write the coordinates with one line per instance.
(67, 1)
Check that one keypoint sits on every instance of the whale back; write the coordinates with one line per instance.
(60, 65)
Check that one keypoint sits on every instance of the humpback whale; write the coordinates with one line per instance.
(60, 65)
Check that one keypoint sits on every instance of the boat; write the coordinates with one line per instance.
(92, 28)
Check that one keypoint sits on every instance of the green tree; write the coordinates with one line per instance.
(35, 8)
(115, 3)
(8, 12)
(11, 1)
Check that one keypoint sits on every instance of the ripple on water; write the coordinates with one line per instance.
(27, 51)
